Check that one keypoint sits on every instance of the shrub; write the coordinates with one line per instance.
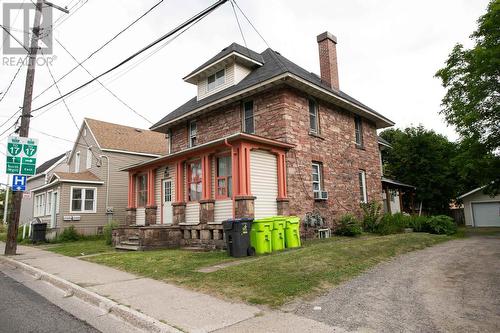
(69, 235)
(108, 231)
(371, 215)
(418, 223)
(348, 226)
(441, 225)
(393, 224)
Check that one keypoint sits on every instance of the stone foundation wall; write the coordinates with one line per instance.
(150, 238)
(208, 236)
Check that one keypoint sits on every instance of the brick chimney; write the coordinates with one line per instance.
(327, 45)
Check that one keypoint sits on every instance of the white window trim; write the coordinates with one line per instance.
(89, 158)
(48, 210)
(319, 177)
(77, 162)
(169, 143)
(363, 184)
(57, 201)
(83, 211)
(316, 115)
(215, 82)
(37, 209)
(190, 134)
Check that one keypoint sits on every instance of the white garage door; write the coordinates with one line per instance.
(486, 214)
(264, 183)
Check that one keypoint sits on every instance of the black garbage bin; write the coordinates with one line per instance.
(237, 232)
(38, 232)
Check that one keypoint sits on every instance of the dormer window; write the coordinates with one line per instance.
(216, 80)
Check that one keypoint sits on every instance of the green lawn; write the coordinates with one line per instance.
(272, 279)
(81, 247)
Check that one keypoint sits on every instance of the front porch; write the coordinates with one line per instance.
(182, 199)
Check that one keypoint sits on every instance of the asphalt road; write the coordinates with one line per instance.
(23, 310)
(451, 287)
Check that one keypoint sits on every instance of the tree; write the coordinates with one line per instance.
(423, 158)
(471, 78)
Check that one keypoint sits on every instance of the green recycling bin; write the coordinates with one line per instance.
(260, 236)
(292, 232)
(278, 233)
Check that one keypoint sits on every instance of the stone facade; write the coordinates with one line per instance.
(150, 237)
(130, 218)
(244, 206)
(150, 215)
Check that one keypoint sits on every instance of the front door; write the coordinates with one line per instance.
(168, 194)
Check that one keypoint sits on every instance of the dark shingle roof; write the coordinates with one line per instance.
(274, 65)
(227, 50)
(383, 141)
(47, 164)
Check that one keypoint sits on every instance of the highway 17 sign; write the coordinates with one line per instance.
(21, 155)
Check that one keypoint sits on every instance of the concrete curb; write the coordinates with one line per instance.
(132, 317)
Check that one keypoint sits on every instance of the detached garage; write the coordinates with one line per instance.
(481, 210)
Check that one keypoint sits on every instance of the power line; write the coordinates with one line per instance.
(250, 22)
(195, 18)
(239, 26)
(112, 93)
(12, 81)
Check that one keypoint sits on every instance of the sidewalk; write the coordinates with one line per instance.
(180, 308)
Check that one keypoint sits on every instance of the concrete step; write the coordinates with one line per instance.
(130, 243)
(125, 247)
(133, 238)
(195, 249)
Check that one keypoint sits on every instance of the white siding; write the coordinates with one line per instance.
(264, 183)
(223, 210)
(228, 81)
(240, 72)
(192, 213)
(140, 218)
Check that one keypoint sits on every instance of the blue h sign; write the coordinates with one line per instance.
(19, 183)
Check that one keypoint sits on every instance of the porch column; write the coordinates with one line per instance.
(283, 202)
(243, 199)
(151, 207)
(179, 206)
(207, 203)
(131, 205)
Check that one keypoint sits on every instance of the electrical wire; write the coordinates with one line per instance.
(12, 81)
(239, 26)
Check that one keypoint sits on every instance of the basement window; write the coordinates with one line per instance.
(216, 80)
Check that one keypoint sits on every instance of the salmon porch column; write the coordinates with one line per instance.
(207, 203)
(151, 207)
(131, 206)
(282, 199)
(243, 199)
(179, 205)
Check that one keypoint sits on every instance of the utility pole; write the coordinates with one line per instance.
(6, 201)
(11, 243)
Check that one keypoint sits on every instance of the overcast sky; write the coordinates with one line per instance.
(388, 52)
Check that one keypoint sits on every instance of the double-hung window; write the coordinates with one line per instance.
(216, 80)
(224, 177)
(39, 208)
(142, 190)
(358, 130)
(313, 116)
(317, 175)
(89, 158)
(193, 132)
(77, 162)
(48, 206)
(169, 141)
(194, 180)
(83, 199)
(248, 120)
(363, 197)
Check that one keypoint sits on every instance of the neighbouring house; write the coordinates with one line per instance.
(480, 209)
(93, 190)
(263, 137)
(397, 197)
(43, 174)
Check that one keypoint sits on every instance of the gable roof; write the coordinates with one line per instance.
(274, 67)
(471, 192)
(47, 164)
(115, 137)
(85, 176)
(383, 141)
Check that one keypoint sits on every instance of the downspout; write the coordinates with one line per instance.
(109, 212)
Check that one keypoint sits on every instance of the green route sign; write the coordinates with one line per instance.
(21, 155)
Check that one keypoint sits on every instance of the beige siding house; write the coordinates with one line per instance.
(93, 191)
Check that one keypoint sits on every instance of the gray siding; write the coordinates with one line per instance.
(475, 197)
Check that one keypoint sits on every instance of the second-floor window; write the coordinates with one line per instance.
(317, 177)
(224, 177)
(169, 141)
(89, 158)
(77, 162)
(358, 130)
(216, 80)
(194, 181)
(313, 116)
(193, 132)
(363, 197)
(142, 190)
(248, 120)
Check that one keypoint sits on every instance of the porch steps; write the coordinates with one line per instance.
(125, 247)
(195, 249)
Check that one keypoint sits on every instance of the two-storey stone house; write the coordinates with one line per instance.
(263, 137)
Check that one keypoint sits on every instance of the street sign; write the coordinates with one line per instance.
(21, 155)
(19, 183)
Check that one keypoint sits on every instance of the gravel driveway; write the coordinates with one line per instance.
(451, 287)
